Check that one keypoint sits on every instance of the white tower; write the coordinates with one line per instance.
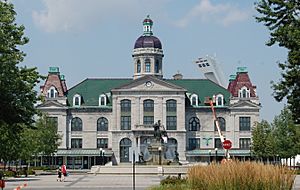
(211, 70)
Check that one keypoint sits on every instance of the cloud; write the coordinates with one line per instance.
(205, 11)
(68, 15)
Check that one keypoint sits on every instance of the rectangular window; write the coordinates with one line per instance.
(171, 122)
(148, 120)
(218, 143)
(102, 143)
(245, 143)
(171, 106)
(125, 122)
(194, 143)
(244, 123)
(76, 143)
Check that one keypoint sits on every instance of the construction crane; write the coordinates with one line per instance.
(216, 122)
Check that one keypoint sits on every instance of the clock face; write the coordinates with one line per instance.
(148, 83)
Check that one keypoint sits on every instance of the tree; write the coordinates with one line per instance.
(17, 94)
(262, 140)
(16, 83)
(282, 18)
(286, 134)
(40, 140)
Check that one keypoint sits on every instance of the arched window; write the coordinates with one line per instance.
(148, 112)
(138, 66)
(222, 124)
(244, 92)
(194, 100)
(125, 114)
(194, 124)
(125, 144)
(156, 68)
(102, 124)
(171, 114)
(102, 100)
(219, 100)
(52, 92)
(147, 65)
(76, 124)
(77, 100)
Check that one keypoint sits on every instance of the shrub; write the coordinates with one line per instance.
(172, 180)
(240, 175)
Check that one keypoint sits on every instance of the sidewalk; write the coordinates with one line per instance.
(296, 185)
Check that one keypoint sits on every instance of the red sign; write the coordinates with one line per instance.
(227, 144)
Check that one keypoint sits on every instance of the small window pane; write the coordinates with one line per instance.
(102, 143)
(244, 123)
(102, 124)
(76, 143)
(76, 124)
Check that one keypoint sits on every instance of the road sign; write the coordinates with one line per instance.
(227, 144)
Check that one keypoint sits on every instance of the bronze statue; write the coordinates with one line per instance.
(157, 132)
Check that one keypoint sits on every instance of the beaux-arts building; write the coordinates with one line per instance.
(102, 119)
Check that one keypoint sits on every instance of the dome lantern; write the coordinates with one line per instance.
(147, 26)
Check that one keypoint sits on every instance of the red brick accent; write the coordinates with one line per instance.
(54, 80)
(242, 79)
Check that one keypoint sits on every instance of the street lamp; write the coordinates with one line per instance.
(209, 153)
(216, 156)
(159, 151)
(102, 155)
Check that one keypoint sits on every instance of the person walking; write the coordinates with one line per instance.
(64, 172)
(58, 174)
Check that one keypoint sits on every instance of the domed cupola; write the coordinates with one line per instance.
(147, 53)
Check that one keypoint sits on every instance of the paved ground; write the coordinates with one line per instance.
(92, 182)
(85, 181)
(296, 185)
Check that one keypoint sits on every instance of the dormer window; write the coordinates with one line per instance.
(219, 100)
(102, 100)
(77, 100)
(52, 92)
(244, 92)
(194, 100)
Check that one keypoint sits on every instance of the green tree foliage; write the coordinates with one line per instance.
(286, 134)
(282, 18)
(40, 140)
(281, 138)
(17, 96)
(263, 145)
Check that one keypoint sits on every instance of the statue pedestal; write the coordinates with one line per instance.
(157, 150)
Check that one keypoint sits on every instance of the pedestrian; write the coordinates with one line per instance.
(64, 172)
(58, 174)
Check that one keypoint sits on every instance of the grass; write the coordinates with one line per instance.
(235, 175)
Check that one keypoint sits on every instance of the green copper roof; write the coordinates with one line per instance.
(91, 89)
(203, 88)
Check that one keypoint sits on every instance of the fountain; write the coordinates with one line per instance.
(159, 151)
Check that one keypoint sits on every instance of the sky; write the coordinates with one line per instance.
(95, 39)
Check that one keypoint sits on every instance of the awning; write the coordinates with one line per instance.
(83, 152)
(220, 152)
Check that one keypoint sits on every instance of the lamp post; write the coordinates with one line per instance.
(159, 152)
(133, 170)
(216, 155)
(209, 160)
(101, 156)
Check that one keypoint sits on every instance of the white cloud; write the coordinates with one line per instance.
(66, 15)
(205, 11)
